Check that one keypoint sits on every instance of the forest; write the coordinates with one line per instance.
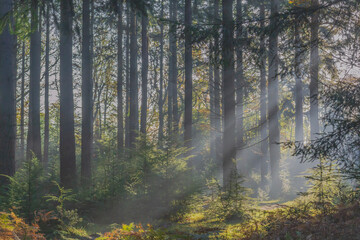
(180, 119)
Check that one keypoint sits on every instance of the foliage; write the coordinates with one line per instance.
(13, 227)
(26, 189)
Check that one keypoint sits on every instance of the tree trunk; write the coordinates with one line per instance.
(67, 138)
(133, 121)
(22, 106)
(188, 76)
(299, 128)
(174, 70)
(273, 93)
(87, 105)
(263, 119)
(7, 97)
(217, 111)
(34, 137)
(161, 80)
(120, 116)
(240, 83)
(314, 70)
(144, 72)
(47, 66)
(127, 119)
(229, 139)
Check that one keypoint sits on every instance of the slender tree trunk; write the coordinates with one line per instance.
(217, 111)
(161, 80)
(67, 137)
(133, 81)
(127, 118)
(263, 119)
(273, 94)
(22, 106)
(314, 70)
(7, 97)
(120, 116)
(87, 105)
(188, 76)
(229, 139)
(144, 71)
(47, 66)
(34, 137)
(299, 128)
(240, 82)
(212, 100)
(174, 70)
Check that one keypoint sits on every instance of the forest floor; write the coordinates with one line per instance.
(291, 220)
(294, 220)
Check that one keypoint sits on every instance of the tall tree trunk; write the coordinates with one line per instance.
(188, 76)
(161, 80)
(87, 105)
(314, 70)
(47, 66)
(299, 128)
(273, 94)
(240, 82)
(217, 111)
(22, 106)
(212, 100)
(263, 119)
(174, 70)
(229, 139)
(144, 71)
(133, 81)
(7, 97)
(67, 137)
(34, 137)
(127, 118)
(120, 115)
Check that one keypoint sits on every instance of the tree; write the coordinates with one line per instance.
(240, 81)
(144, 71)
(299, 125)
(133, 119)
(263, 118)
(217, 111)
(229, 140)
(314, 70)
(67, 137)
(120, 116)
(273, 101)
(7, 95)
(34, 137)
(161, 80)
(22, 105)
(87, 105)
(188, 76)
(47, 69)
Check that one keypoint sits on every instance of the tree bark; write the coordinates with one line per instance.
(133, 81)
(120, 116)
(161, 80)
(87, 105)
(47, 66)
(34, 137)
(22, 106)
(174, 70)
(229, 139)
(144, 71)
(7, 98)
(188, 76)
(67, 138)
(314, 70)
(273, 94)
(217, 111)
(299, 126)
(263, 99)
(240, 82)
